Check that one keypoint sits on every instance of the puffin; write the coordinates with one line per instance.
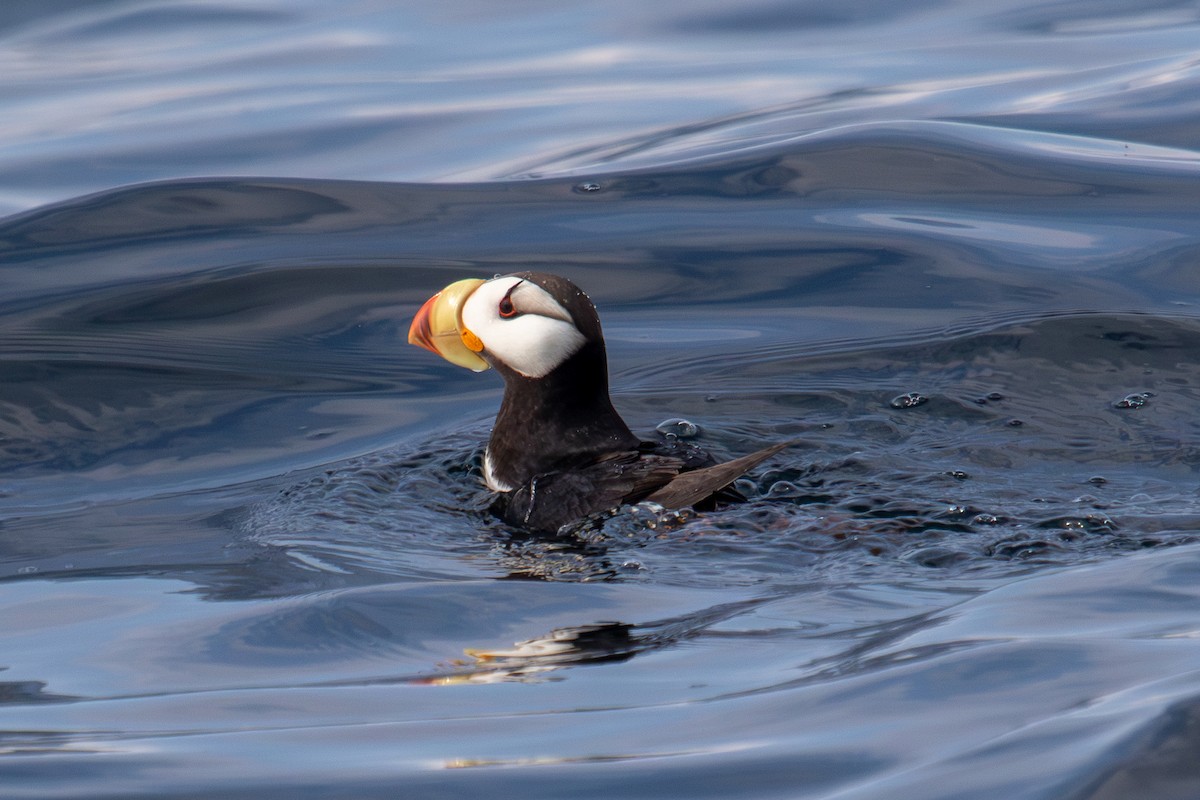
(559, 452)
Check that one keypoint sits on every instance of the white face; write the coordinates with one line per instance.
(521, 324)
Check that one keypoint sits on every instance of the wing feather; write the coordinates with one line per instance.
(689, 488)
(553, 499)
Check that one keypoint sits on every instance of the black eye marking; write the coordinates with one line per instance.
(507, 309)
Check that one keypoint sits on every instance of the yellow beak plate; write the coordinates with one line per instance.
(438, 326)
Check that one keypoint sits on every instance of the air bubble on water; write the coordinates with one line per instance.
(1090, 523)
(986, 519)
(746, 487)
(648, 515)
(1135, 400)
(678, 428)
(782, 489)
(1014, 423)
(588, 187)
(909, 400)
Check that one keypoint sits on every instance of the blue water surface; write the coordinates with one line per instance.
(952, 248)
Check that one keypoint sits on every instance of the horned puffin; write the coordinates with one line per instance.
(559, 451)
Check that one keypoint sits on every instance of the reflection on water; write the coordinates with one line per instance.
(121, 91)
(951, 249)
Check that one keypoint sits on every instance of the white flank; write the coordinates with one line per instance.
(489, 475)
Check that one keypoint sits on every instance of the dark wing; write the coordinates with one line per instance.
(553, 499)
(689, 488)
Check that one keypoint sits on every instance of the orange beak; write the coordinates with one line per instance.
(439, 329)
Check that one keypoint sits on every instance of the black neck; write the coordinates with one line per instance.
(563, 418)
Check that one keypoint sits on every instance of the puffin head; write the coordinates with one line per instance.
(542, 334)
(527, 324)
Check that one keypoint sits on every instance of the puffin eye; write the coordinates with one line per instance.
(507, 309)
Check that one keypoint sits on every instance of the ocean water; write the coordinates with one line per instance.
(953, 249)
